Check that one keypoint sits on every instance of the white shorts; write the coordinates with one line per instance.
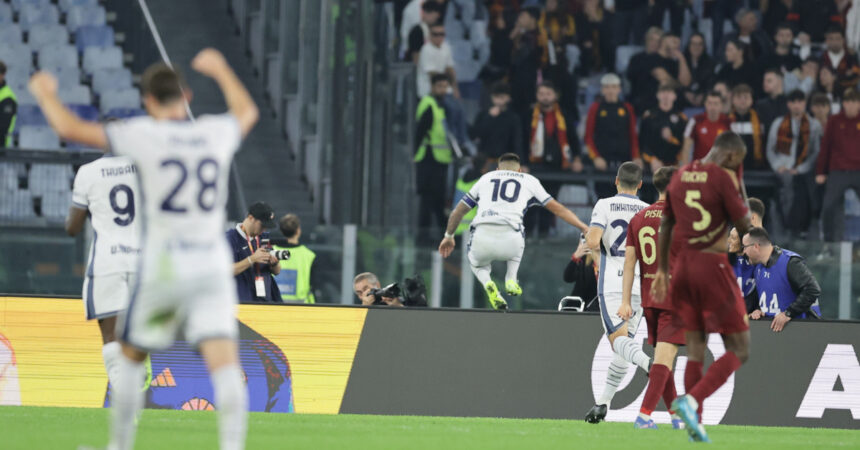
(107, 295)
(609, 304)
(202, 308)
(495, 242)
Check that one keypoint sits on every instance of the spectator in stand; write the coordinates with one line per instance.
(739, 68)
(498, 130)
(703, 129)
(421, 32)
(530, 55)
(792, 150)
(746, 123)
(750, 34)
(816, 17)
(558, 24)
(839, 164)
(435, 58)
(784, 56)
(777, 12)
(827, 86)
(433, 155)
(582, 271)
(412, 16)
(661, 130)
(840, 60)
(701, 69)
(720, 11)
(553, 147)
(640, 65)
(629, 21)
(657, 8)
(560, 29)
(773, 105)
(722, 88)
(610, 130)
(8, 109)
(501, 47)
(804, 79)
(820, 107)
(669, 67)
(594, 32)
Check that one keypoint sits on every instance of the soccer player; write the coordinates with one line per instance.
(106, 190)
(607, 235)
(744, 270)
(185, 278)
(502, 197)
(663, 333)
(702, 199)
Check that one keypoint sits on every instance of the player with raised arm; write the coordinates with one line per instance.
(703, 199)
(502, 197)
(608, 236)
(663, 333)
(185, 278)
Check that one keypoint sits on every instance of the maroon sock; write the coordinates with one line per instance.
(716, 376)
(656, 385)
(669, 392)
(692, 375)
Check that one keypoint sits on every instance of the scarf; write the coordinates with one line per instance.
(553, 24)
(538, 135)
(785, 137)
(756, 126)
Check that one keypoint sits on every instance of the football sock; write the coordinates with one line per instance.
(231, 401)
(126, 401)
(656, 387)
(716, 376)
(482, 274)
(111, 353)
(614, 376)
(669, 392)
(513, 268)
(692, 375)
(631, 352)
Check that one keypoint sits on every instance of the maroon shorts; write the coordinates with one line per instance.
(705, 294)
(663, 327)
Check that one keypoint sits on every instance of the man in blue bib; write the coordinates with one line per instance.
(785, 286)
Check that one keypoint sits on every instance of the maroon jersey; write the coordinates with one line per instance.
(642, 235)
(704, 199)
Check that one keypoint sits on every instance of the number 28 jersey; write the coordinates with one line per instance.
(503, 196)
(642, 235)
(613, 214)
(108, 189)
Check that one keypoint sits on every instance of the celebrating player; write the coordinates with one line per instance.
(608, 234)
(663, 333)
(186, 277)
(744, 269)
(703, 198)
(502, 197)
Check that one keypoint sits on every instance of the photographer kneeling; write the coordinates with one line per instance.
(368, 289)
(254, 263)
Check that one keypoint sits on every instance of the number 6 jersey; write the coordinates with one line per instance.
(503, 196)
(642, 235)
(108, 189)
(613, 214)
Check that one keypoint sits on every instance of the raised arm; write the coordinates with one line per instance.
(211, 62)
(566, 215)
(65, 123)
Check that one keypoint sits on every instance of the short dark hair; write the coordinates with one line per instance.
(834, 29)
(851, 95)
(783, 26)
(759, 235)
(742, 88)
(629, 175)
(549, 85)
(713, 93)
(796, 95)
(437, 77)
(819, 98)
(289, 225)
(667, 87)
(2, 68)
(163, 83)
(773, 71)
(663, 176)
(429, 7)
(730, 141)
(509, 157)
(500, 88)
(756, 206)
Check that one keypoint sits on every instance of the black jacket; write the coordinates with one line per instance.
(585, 281)
(802, 282)
(499, 135)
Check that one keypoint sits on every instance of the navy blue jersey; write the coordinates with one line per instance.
(774, 289)
(241, 249)
(745, 272)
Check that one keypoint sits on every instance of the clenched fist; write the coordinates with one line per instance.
(209, 62)
(42, 84)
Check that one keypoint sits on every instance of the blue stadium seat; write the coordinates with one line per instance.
(44, 35)
(32, 15)
(62, 55)
(77, 95)
(17, 204)
(126, 98)
(55, 205)
(111, 80)
(96, 58)
(17, 5)
(16, 55)
(50, 177)
(93, 36)
(80, 16)
(10, 33)
(67, 5)
(124, 113)
(30, 115)
(67, 77)
(24, 96)
(86, 112)
(16, 76)
(38, 138)
(9, 175)
(5, 14)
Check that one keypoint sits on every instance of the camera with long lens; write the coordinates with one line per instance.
(281, 255)
(413, 292)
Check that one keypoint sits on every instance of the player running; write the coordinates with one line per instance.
(502, 197)
(703, 198)
(608, 234)
(185, 278)
(663, 333)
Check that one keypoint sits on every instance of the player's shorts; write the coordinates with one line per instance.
(663, 327)
(202, 308)
(106, 295)
(609, 304)
(495, 242)
(705, 294)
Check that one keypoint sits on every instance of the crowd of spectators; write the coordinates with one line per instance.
(584, 85)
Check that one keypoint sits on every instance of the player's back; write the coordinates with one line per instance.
(642, 235)
(108, 189)
(503, 196)
(613, 214)
(703, 198)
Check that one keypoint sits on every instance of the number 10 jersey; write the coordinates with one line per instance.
(503, 196)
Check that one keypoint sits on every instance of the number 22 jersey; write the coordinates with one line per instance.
(613, 214)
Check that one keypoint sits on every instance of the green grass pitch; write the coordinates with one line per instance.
(67, 428)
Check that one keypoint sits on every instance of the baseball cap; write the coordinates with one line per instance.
(264, 213)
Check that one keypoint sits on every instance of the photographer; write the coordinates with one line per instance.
(364, 285)
(253, 264)
(411, 292)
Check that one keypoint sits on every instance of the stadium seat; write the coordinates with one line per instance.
(8, 178)
(111, 80)
(10, 33)
(86, 112)
(93, 36)
(16, 205)
(55, 205)
(17, 5)
(44, 35)
(124, 113)
(622, 57)
(38, 138)
(17, 76)
(80, 16)
(16, 55)
(50, 177)
(30, 115)
(5, 14)
(24, 96)
(63, 55)
(126, 98)
(77, 95)
(67, 5)
(66, 76)
(96, 58)
(32, 15)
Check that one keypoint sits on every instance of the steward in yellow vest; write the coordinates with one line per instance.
(8, 109)
(294, 281)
